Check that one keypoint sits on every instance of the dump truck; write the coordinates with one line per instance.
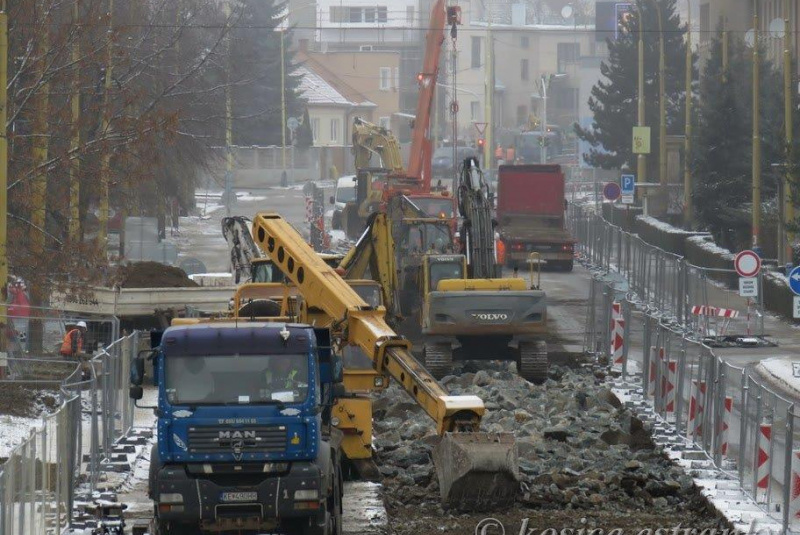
(245, 435)
(530, 216)
(476, 471)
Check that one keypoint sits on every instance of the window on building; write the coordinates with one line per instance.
(524, 69)
(315, 129)
(383, 122)
(337, 13)
(369, 14)
(567, 53)
(522, 115)
(385, 83)
(566, 98)
(356, 14)
(410, 15)
(705, 22)
(474, 110)
(524, 42)
(397, 78)
(382, 14)
(335, 126)
(476, 53)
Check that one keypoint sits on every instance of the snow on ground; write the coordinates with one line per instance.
(782, 372)
(15, 430)
(707, 244)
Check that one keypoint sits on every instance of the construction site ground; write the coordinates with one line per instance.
(586, 462)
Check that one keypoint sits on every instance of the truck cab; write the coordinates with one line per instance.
(245, 442)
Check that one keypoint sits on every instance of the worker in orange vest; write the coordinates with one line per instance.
(510, 154)
(72, 346)
(501, 251)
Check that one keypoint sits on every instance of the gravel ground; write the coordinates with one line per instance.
(586, 463)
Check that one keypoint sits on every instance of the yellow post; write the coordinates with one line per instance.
(40, 147)
(662, 109)
(488, 147)
(756, 130)
(641, 160)
(283, 104)
(3, 157)
(687, 142)
(74, 161)
(788, 209)
(105, 161)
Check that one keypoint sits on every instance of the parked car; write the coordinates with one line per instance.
(442, 164)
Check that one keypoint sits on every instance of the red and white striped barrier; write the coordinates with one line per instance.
(617, 334)
(651, 377)
(794, 502)
(671, 379)
(762, 470)
(697, 403)
(726, 424)
(715, 311)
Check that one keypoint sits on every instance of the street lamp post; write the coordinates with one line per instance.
(687, 147)
(641, 160)
(545, 83)
(756, 130)
(788, 201)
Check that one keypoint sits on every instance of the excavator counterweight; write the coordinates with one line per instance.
(476, 471)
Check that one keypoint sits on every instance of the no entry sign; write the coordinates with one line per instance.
(747, 263)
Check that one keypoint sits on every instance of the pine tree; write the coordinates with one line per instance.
(256, 75)
(722, 154)
(614, 99)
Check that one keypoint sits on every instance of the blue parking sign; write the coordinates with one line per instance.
(627, 184)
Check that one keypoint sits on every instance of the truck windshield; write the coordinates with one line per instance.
(445, 270)
(345, 193)
(267, 272)
(435, 207)
(236, 379)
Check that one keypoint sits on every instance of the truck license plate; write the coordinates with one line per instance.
(239, 496)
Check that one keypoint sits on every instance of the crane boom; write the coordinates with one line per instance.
(476, 471)
(324, 289)
(419, 165)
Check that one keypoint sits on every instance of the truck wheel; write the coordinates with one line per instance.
(438, 359)
(533, 365)
(567, 265)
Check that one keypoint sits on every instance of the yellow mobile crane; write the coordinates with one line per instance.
(475, 470)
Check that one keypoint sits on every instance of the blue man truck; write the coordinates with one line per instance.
(245, 441)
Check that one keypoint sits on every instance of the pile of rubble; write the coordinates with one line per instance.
(579, 449)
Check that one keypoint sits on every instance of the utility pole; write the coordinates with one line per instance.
(3, 160)
(283, 105)
(756, 130)
(687, 141)
(788, 198)
(488, 147)
(641, 160)
(40, 145)
(229, 117)
(74, 161)
(105, 161)
(545, 79)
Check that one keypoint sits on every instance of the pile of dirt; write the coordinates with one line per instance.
(152, 275)
(20, 400)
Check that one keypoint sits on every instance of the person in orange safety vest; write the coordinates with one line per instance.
(72, 346)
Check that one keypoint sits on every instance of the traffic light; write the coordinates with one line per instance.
(481, 142)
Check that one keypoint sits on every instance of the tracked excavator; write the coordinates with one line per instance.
(476, 471)
(447, 300)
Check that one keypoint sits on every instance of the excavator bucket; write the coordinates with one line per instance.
(477, 471)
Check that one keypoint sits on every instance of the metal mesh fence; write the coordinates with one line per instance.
(38, 477)
(748, 429)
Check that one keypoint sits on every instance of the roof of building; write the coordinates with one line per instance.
(321, 86)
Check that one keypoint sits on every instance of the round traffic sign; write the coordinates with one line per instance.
(611, 191)
(794, 280)
(747, 263)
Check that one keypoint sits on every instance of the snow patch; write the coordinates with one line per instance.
(780, 372)
(707, 244)
(15, 431)
(661, 225)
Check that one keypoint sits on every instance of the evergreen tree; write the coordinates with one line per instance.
(256, 75)
(614, 100)
(722, 153)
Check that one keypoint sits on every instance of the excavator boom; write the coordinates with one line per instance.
(476, 470)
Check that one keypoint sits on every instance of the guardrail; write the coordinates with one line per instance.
(746, 428)
(38, 478)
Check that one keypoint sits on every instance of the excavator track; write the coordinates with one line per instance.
(438, 359)
(533, 363)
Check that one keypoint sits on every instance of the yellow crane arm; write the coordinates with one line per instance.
(323, 288)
